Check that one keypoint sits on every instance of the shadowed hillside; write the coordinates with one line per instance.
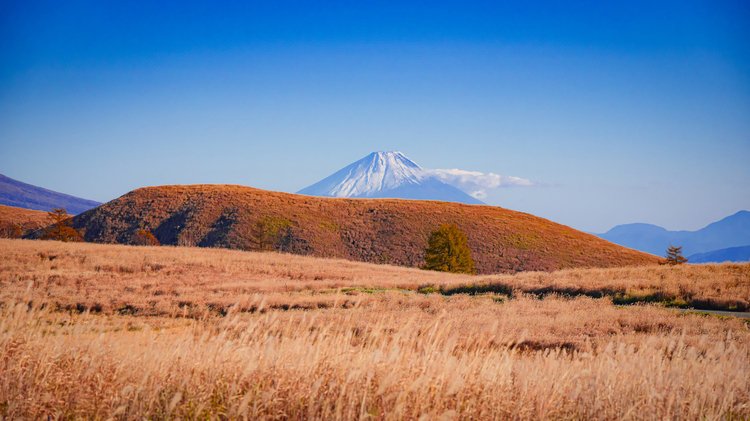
(370, 230)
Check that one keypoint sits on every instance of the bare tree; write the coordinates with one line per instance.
(674, 256)
(10, 230)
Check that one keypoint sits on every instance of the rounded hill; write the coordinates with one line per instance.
(390, 231)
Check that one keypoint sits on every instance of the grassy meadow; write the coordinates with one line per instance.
(91, 331)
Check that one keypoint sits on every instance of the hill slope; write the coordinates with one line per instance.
(373, 230)
(732, 231)
(21, 195)
(387, 175)
(20, 215)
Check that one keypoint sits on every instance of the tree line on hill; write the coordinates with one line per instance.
(58, 228)
(447, 250)
(10, 229)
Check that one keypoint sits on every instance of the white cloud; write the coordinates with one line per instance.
(476, 183)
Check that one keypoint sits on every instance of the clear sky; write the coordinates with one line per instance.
(621, 112)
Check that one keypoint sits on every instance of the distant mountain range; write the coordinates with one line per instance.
(21, 195)
(387, 175)
(732, 231)
(393, 175)
(732, 254)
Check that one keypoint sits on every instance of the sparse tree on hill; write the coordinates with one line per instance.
(266, 232)
(448, 251)
(28, 227)
(674, 256)
(60, 229)
(186, 239)
(10, 230)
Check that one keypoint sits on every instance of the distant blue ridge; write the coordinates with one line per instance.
(731, 254)
(730, 232)
(21, 195)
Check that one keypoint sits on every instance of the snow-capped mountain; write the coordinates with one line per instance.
(387, 175)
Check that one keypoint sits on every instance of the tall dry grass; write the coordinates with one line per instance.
(311, 349)
(167, 280)
(295, 365)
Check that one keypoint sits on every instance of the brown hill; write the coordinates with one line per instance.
(22, 216)
(371, 230)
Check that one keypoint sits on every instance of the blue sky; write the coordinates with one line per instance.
(632, 112)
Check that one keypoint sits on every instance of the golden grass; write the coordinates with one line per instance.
(164, 280)
(310, 348)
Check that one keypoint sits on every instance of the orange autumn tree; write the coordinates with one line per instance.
(59, 228)
(145, 238)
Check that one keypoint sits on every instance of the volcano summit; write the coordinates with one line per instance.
(387, 175)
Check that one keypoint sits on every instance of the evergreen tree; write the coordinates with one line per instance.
(60, 228)
(448, 251)
(674, 255)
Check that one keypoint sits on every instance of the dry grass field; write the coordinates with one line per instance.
(93, 331)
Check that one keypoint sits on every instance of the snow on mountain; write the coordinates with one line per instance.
(376, 172)
(387, 175)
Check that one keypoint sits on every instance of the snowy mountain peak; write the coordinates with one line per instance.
(386, 174)
(375, 172)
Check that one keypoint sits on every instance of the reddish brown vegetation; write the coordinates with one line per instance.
(15, 222)
(60, 228)
(145, 238)
(20, 215)
(369, 230)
